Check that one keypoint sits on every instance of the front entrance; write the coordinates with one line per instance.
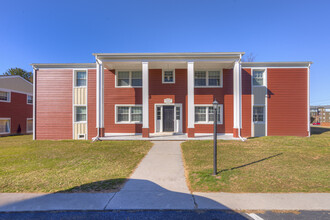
(168, 118)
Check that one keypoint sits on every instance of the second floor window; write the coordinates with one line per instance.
(258, 77)
(208, 79)
(80, 78)
(168, 76)
(29, 99)
(129, 78)
(4, 96)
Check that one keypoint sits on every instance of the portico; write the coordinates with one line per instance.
(156, 97)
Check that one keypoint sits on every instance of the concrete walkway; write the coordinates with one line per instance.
(159, 183)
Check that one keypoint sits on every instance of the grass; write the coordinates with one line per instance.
(67, 166)
(265, 164)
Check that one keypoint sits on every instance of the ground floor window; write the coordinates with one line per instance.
(258, 114)
(129, 114)
(80, 113)
(29, 125)
(4, 125)
(205, 114)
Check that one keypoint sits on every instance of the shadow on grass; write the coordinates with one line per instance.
(111, 185)
(319, 130)
(244, 165)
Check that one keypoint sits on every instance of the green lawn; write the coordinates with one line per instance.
(67, 166)
(266, 164)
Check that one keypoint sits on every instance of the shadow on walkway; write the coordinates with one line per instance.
(137, 195)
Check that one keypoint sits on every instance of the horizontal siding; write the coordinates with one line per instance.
(18, 111)
(113, 96)
(54, 104)
(92, 132)
(287, 101)
(246, 103)
(223, 96)
(158, 92)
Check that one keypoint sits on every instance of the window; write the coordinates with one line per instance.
(177, 113)
(29, 125)
(129, 114)
(4, 96)
(4, 126)
(258, 77)
(208, 78)
(129, 79)
(80, 78)
(258, 114)
(205, 114)
(29, 99)
(168, 76)
(159, 114)
(80, 114)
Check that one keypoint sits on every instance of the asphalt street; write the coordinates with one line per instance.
(167, 214)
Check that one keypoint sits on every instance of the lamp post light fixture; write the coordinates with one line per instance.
(215, 117)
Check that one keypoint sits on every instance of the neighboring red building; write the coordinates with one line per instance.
(153, 93)
(16, 104)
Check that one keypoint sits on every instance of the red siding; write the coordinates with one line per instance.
(91, 105)
(18, 111)
(114, 96)
(159, 91)
(54, 104)
(224, 96)
(287, 101)
(246, 103)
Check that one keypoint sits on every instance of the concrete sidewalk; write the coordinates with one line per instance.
(159, 183)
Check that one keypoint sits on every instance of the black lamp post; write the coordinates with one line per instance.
(215, 117)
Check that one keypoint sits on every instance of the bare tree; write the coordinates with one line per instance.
(250, 57)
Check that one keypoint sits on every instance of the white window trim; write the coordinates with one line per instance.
(129, 115)
(179, 128)
(75, 77)
(9, 125)
(9, 95)
(75, 115)
(163, 75)
(207, 78)
(220, 120)
(263, 76)
(130, 79)
(264, 114)
(27, 100)
(27, 131)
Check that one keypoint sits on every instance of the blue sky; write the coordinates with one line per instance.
(70, 31)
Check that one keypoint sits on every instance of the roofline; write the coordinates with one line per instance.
(15, 76)
(169, 55)
(62, 65)
(277, 64)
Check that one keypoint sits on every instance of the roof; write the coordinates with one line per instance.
(277, 64)
(63, 65)
(16, 84)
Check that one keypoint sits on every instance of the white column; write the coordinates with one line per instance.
(34, 103)
(237, 94)
(145, 94)
(99, 94)
(191, 98)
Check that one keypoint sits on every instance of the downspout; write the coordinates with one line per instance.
(240, 99)
(308, 101)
